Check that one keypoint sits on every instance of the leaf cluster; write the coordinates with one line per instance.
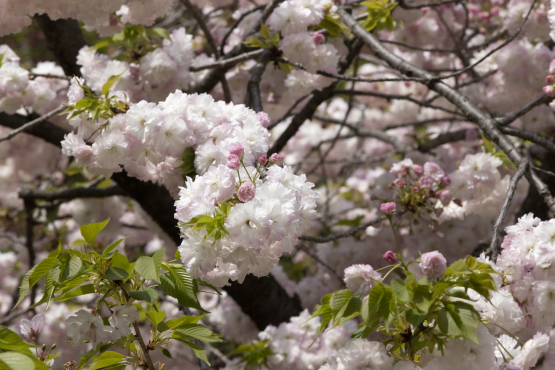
(379, 15)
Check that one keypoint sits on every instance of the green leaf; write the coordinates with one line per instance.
(459, 319)
(155, 317)
(111, 80)
(148, 267)
(106, 359)
(414, 317)
(161, 32)
(188, 162)
(112, 246)
(180, 285)
(49, 288)
(119, 260)
(197, 350)
(71, 268)
(175, 323)
(379, 305)
(116, 273)
(10, 341)
(100, 347)
(204, 283)
(149, 295)
(167, 353)
(400, 289)
(423, 298)
(339, 301)
(16, 361)
(264, 31)
(196, 331)
(90, 231)
(82, 290)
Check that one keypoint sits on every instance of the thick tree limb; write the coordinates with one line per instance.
(28, 125)
(528, 136)
(44, 130)
(494, 248)
(253, 87)
(486, 123)
(64, 38)
(68, 194)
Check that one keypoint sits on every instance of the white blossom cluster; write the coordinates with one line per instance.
(295, 345)
(85, 326)
(17, 14)
(18, 90)
(152, 78)
(267, 216)
(149, 139)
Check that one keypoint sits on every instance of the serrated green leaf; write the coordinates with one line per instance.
(178, 284)
(10, 341)
(106, 359)
(175, 323)
(111, 80)
(196, 331)
(119, 260)
(400, 289)
(149, 295)
(100, 348)
(155, 317)
(423, 298)
(112, 246)
(82, 290)
(90, 231)
(264, 31)
(116, 273)
(71, 268)
(146, 267)
(459, 319)
(197, 350)
(16, 361)
(49, 288)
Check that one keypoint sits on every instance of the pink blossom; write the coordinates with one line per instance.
(445, 181)
(418, 169)
(275, 157)
(233, 162)
(433, 170)
(426, 181)
(388, 208)
(549, 90)
(433, 264)
(263, 159)
(390, 257)
(237, 149)
(264, 118)
(549, 79)
(318, 38)
(246, 191)
(445, 197)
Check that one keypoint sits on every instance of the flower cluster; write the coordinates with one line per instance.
(17, 89)
(240, 220)
(85, 326)
(151, 140)
(152, 77)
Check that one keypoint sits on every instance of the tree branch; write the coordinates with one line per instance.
(28, 125)
(68, 194)
(253, 87)
(487, 124)
(494, 248)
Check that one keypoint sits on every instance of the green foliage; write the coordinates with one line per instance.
(133, 42)
(16, 354)
(214, 226)
(489, 147)
(412, 314)
(265, 39)
(180, 285)
(90, 231)
(254, 355)
(379, 15)
(108, 359)
(187, 166)
(335, 26)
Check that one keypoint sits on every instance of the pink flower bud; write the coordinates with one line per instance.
(415, 189)
(433, 265)
(275, 158)
(445, 197)
(494, 11)
(246, 191)
(237, 149)
(549, 79)
(549, 90)
(390, 257)
(264, 118)
(445, 181)
(114, 21)
(387, 208)
(263, 159)
(233, 162)
(418, 169)
(317, 38)
(400, 184)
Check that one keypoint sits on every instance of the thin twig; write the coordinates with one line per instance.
(494, 248)
(511, 117)
(228, 62)
(139, 338)
(28, 125)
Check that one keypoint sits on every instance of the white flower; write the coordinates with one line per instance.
(13, 78)
(109, 150)
(121, 319)
(31, 328)
(248, 223)
(86, 326)
(364, 354)
(360, 279)
(532, 350)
